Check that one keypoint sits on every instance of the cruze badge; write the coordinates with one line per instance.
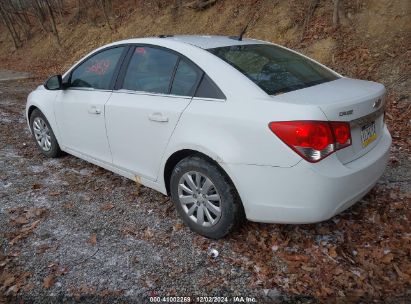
(344, 113)
(377, 104)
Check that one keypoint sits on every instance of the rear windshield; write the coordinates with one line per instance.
(272, 68)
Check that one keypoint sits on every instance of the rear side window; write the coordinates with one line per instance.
(97, 71)
(150, 70)
(208, 89)
(186, 79)
(274, 69)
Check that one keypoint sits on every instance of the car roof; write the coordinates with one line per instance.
(210, 42)
(201, 41)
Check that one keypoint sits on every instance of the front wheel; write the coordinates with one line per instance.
(43, 135)
(205, 198)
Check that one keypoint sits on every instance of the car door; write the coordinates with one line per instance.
(152, 93)
(79, 108)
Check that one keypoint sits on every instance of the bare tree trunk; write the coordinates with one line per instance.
(40, 14)
(176, 9)
(9, 26)
(311, 9)
(52, 22)
(16, 34)
(23, 11)
(20, 21)
(336, 12)
(59, 9)
(103, 5)
(40, 9)
(109, 5)
(79, 11)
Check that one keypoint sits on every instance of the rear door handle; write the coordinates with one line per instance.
(157, 116)
(94, 110)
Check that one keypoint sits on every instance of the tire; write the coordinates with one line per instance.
(231, 210)
(39, 122)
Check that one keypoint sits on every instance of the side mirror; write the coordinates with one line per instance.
(54, 83)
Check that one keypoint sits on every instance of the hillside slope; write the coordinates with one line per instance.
(371, 32)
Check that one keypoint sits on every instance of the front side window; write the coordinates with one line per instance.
(97, 71)
(185, 79)
(274, 69)
(150, 70)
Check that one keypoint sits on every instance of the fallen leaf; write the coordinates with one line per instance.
(399, 272)
(42, 248)
(28, 287)
(297, 257)
(14, 289)
(31, 227)
(338, 271)
(21, 220)
(9, 280)
(62, 271)
(4, 263)
(325, 291)
(56, 193)
(48, 281)
(178, 226)
(332, 252)
(388, 258)
(35, 212)
(148, 233)
(68, 205)
(92, 240)
(24, 232)
(306, 268)
(36, 186)
(107, 207)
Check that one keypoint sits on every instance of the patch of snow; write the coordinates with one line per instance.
(36, 169)
(10, 153)
(83, 172)
(55, 180)
(4, 184)
(53, 162)
(86, 172)
(42, 201)
(4, 118)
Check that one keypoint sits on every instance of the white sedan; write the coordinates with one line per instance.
(231, 128)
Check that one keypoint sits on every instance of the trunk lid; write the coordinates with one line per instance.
(359, 102)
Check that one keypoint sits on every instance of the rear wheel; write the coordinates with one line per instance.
(205, 198)
(43, 135)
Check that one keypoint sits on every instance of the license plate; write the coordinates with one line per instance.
(368, 134)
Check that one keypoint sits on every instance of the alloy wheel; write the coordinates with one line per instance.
(42, 134)
(199, 198)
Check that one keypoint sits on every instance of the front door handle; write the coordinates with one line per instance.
(157, 116)
(94, 110)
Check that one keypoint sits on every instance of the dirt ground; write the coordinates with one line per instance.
(71, 231)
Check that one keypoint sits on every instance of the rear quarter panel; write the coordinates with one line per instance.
(236, 131)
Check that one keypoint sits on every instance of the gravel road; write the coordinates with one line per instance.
(71, 231)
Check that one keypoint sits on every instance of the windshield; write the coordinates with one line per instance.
(274, 69)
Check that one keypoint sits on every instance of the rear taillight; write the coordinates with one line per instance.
(313, 140)
(342, 134)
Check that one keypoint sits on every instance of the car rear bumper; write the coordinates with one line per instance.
(306, 192)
